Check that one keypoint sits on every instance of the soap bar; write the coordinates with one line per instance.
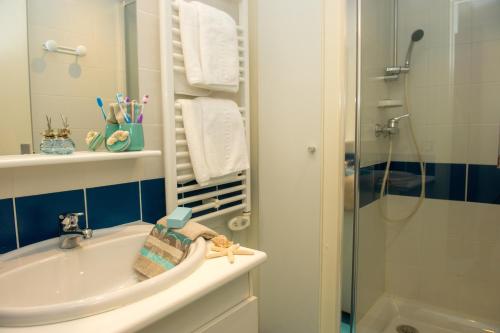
(179, 217)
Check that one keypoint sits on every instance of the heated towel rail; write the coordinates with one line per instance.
(217, 198)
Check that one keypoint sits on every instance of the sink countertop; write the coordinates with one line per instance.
(142, 313)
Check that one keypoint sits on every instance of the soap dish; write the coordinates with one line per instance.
(389, 103)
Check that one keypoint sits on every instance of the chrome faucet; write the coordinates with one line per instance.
(70, 232)
(392, 127)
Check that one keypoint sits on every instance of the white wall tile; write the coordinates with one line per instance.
(445, 251)
(111, 172)
(149, 6)
(7, 181)
(48, 179)
(371, 254)
(484, 57)
(484, 20)
(483, 144)
(148, 46)
(150, 84)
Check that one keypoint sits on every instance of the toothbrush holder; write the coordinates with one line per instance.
(136, 133)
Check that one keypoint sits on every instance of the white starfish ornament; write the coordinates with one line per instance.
(221, 247)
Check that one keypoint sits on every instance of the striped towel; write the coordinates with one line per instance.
(166, 248)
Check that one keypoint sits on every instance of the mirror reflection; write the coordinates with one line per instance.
(56, 58)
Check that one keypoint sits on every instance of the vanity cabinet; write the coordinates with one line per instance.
(229, 309)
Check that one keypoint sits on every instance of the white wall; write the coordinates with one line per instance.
(15, 126)
(289, 78)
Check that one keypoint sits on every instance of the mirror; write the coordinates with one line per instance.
(56, 57)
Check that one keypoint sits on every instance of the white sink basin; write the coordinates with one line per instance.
(42, 284)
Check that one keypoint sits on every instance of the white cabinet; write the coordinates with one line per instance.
(231, 308)
(243, 318)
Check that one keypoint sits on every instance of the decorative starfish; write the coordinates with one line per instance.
(221, 247)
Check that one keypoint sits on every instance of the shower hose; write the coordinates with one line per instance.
(388, 166)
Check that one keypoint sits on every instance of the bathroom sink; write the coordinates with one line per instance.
(42, 284)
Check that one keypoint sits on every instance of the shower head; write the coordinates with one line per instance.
(416, 36)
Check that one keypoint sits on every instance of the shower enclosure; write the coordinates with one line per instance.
(426, 240)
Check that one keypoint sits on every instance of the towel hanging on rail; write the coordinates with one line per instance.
(216, 138)
(210, 47)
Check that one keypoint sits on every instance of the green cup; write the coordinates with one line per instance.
(136, 136)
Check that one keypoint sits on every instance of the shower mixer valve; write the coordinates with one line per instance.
(392, 127)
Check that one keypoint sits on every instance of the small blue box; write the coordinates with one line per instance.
(179, 217)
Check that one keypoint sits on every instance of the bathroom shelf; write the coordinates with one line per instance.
(14, 161)
(389, 103)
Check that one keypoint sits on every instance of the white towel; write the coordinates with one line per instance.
(210, 47)
(216, 138)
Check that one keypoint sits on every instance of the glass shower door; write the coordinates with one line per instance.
(427, 227)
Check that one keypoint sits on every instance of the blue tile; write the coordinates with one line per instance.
(366, 193)
(200, 191)
(37, 215)
(483, 184)
(370, 180)
(404, 179)
(153, 199)
(7, 226)
(445, 181)
(345, 328)
(228, 185)
(349, 157)
(229, 195)
(109, 206)
(346, 317)
(204, 212)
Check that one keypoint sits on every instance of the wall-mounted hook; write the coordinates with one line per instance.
(52, 46)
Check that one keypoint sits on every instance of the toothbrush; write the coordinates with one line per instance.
(127, 104)
(145, 101)
(132, 110)
(119, 99)
(101, 104)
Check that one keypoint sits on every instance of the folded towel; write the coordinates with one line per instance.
(166, 248)
(210, 47)
(216, 138)
(182, 87)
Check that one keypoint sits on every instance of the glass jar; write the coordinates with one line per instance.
(47, 145)
(63, 146)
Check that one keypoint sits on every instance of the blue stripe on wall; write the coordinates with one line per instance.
(484, 184)
(404, 179)
(7, 226)
(37, 215)
(445, 181)
(112, 205)
(107, 206)
(370, 180)
(153, 199)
